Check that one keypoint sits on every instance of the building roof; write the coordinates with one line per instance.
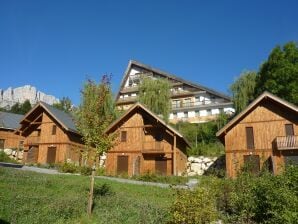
(142, 107)
(168, 75)
(64, 119)
(10, 120)
(264, 96)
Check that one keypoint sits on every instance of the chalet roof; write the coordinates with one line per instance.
(168, 75)
(64, 119)
(264, 96)
(142, 107)
(10, 120)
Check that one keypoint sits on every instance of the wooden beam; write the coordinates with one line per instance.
(174, 157)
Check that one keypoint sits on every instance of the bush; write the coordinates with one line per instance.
(152, 177)
(5, 158)
(85, 170)
(68, 168)
(100, 171)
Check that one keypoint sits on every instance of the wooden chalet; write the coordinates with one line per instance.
(145, 143)
(9, 122)
(264, 134)
(190, 101)
(50, 136)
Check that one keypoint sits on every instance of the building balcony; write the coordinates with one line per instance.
(153, 147)
(286, 142)
(202, 104)
(32, 140)
(126, 100)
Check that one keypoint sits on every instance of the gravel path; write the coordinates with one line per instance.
(188, 185)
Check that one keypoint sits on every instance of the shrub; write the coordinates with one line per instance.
(153, 177)
(5, 158)
(85, 170)
(68, 168)
(100, 171)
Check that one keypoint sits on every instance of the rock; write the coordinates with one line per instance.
(191, 159)
(195, 167)
(206, 160)
(200, 172)
(8, 151)
(191, 174)
(21, 155)
(11, 96)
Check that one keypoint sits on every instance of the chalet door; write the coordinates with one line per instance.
(51, 155)
(2, 143)
(122, 164)
(32, 155)
(252, 163)
(161, 165)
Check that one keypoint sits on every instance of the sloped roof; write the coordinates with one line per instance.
(142, 107)
(264, 96)
(166, 74)
(64, 119)
(10, 120)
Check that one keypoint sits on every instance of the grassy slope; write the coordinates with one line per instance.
(27, 197)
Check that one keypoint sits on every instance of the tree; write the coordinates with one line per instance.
(96, 112)
(65, 105)
(279, 74)
(155, 94)
(23, 108)
(243, 90)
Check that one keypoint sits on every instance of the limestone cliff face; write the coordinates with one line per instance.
(11, 96)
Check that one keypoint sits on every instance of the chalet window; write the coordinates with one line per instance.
(250, 138)
(38, 132)
(123, 136)
(289, 129)
(159, 136)
(187, 102)
(54, 129)
(185, 114)
(2, 141)
(209, 112)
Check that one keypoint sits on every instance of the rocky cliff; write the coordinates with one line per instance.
(11, 96)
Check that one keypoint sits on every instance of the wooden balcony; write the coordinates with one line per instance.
(32, 140)
(286, 142)
(153, 147)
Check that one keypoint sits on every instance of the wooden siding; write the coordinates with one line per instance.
(143, 147)
(268, 121)
(68, 145)
(11, 140)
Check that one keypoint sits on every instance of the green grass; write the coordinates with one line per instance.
(4, 158)
(28, 197)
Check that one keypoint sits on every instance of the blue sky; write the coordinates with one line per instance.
(55, 45)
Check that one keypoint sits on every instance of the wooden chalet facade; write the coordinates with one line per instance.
(9, 122)
(145, 143)
(190, 102)
(50, 136)
(264, 134)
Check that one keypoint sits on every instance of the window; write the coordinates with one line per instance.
(252, 163)
(123, 136)
(38, 132)
(2, 141)
(159, 136)
(174, 115)
(185, 114)
(175, 104)
(197, 113)
(209, 112)
(54, 129)
(289, 129)
(250, 138)
(187, 102)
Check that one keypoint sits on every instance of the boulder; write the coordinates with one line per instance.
(191, 174)
(8, 151)
(191, 159)
(195, 167)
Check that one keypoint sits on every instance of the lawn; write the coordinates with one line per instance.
(27, 197)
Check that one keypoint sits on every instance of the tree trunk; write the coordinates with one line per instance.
(90, 200)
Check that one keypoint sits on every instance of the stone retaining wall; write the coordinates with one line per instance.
(201, 164)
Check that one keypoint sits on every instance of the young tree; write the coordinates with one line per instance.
(243, 90)
(96, 112)
(65, 105)
(155, 94)
(279, 74)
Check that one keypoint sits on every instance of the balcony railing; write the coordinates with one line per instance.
(32, 140)
(153, 147)
(286, 142)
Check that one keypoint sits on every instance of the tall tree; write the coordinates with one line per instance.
(155, 94)
(243, 90)
(21, 108)
(65, 104)
(279, 74)
(96, 112)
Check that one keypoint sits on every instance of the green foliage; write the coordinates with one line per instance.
(96, 112)
(22, 108)
(155, 94)
(202, 136)
(5, 158)
(65, 105)
(191, 207)
(279, 74)
(68, 168)
(41, 198)
(243, 90)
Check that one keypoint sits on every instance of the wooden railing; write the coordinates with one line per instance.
(286, 142)
(153, 147)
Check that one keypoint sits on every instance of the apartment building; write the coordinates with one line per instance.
(189, 101)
